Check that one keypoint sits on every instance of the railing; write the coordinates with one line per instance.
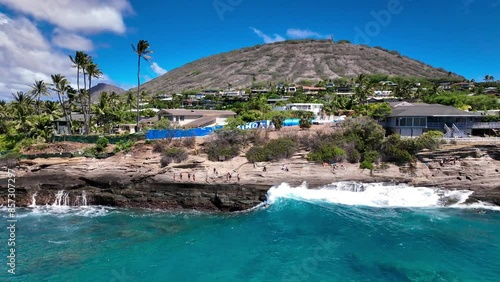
(486, 125)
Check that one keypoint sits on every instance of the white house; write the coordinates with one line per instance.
(196, 118)
(315, 108)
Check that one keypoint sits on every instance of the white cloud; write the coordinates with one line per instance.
(71, 41)
(76, 15)
(268, 39)
(303, 33)
(157, 69)
(26, 56)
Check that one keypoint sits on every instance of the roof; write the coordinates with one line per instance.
(202, 122)
(184, 112)
(405, 109)
(74, 117)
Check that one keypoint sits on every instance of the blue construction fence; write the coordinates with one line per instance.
(155, 134)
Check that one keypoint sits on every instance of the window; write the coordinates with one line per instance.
(420, 122)
(181, 118)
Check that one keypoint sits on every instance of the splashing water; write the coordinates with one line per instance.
(33, 200)
(377, 195)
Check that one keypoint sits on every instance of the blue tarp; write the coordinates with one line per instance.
(155, 134)
(180, 133)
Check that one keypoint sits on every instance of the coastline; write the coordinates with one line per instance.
(137, 181)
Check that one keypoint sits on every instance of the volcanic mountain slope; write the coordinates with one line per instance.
(290, 61)
(95, 91)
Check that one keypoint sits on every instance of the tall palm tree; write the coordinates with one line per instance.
(39, 89)
(78, 62)
(142, 51)
(93, 71)
(61, 87)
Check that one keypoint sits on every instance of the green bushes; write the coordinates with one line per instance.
(176, 154)
(226, 144)
(101, 144)
(124, 146)
(327, 153)
(274, 150)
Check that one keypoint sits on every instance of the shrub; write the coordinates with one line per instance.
(366, 165)
(176, 154)
(165, 161)
(158, 146)
(274, 150)
(327, 153)
(189, 142)
(278, 121)
(305, 123)
(226, 144)
(162, 124)
(10, 160)
(371, 156)
(124, 146)
(101, 144)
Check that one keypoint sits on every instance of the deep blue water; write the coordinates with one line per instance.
(290, 240)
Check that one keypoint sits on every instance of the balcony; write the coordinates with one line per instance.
(486, 125)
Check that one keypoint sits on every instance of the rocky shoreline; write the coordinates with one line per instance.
(137, 181)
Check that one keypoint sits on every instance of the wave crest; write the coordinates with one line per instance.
(378, 195)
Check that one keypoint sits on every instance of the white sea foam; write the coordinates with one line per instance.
(377, 195)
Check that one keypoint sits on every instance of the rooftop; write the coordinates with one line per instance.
(405, 109)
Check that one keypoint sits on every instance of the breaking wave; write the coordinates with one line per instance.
(379, 195)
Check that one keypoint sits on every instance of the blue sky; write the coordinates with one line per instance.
(461, 36)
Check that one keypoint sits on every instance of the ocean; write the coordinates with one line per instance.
(342, 232)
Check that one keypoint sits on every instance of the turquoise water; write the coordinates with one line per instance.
(292, 239)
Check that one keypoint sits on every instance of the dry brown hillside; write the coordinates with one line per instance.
(290, 61)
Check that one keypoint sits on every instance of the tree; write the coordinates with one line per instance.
(38, 90)
(61, 86)
(305, 119)
(142, 51)
(278, 121)
(78, 62)
(93, 71)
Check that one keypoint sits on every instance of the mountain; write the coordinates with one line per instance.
(290, 61)
(95, 91)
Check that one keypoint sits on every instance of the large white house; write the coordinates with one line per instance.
(196, 118)
(315, 108)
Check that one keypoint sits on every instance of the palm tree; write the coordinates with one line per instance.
(142, 51)
(92, 70)
(130, 100)
(78, 62)
(61, 86)
(22, 107)
(39, 89)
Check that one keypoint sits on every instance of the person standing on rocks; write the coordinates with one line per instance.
(189, 176)
(174, 176)
(194, 177)
(180, 176)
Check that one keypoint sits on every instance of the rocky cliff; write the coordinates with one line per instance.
(136, 180)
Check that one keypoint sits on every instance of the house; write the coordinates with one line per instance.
(490, 90)
(260, 91)
(446, 86)
(413, 119)
(124, 128)
(315, 108)
(382, 93)
(233, 93)
(309, 90)
(196, 118)
(463, 86)
(62, 126)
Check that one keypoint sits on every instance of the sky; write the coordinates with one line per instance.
(36, 37)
